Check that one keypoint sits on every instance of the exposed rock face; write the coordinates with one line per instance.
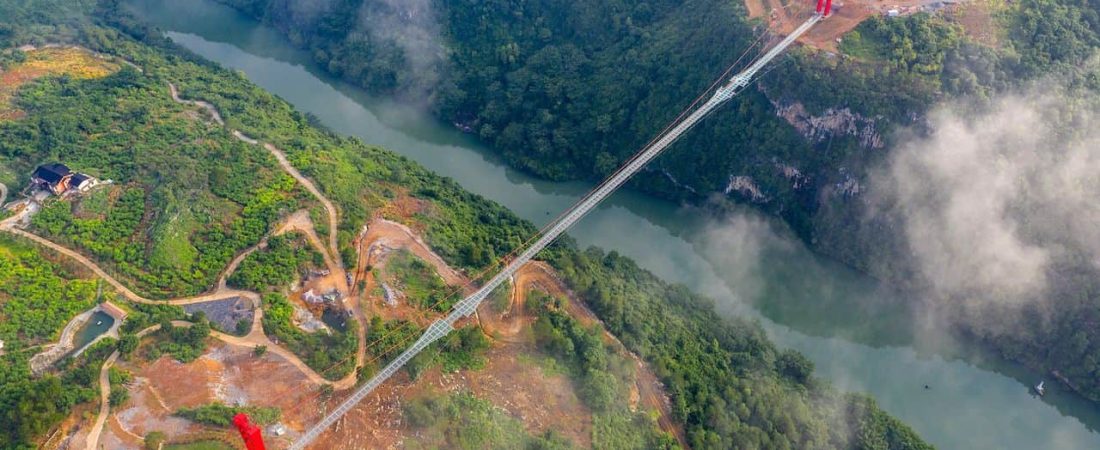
(745, 186)
(792, 174)
(832, 122)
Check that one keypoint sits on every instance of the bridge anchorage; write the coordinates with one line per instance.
(467, 306)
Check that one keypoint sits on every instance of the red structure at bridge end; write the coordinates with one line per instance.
(824, 7)
(250, 433)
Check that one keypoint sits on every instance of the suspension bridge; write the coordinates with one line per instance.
(467, 306)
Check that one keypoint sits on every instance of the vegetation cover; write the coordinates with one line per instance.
(219, 414)
(569, 90)
(332, 354)
(722, 375)
(37, 299)
(601, 375)
(186, 196)
(728, 383)
(278, 265)
(463, 421)
(184, 344)
(418, 280)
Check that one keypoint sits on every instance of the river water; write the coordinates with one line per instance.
(854, 330)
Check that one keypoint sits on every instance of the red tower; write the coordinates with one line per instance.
(249, 432)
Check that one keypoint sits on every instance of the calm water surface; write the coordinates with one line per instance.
(854, 330)
(98, 324)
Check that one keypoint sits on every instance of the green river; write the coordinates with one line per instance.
(854, 330)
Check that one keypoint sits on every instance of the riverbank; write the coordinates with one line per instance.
(673, 243)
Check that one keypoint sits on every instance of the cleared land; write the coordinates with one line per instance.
(72, 61)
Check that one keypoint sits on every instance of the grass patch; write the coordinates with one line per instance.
(501, 297)
(219, 414)
(549, 366)
(462, 421)
(418, 280)
(96, 204)
(200, 445)
(171, 242)
(861, 46)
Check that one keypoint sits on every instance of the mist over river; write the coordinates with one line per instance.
(858, 334)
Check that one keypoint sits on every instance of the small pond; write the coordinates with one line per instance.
(98, 324)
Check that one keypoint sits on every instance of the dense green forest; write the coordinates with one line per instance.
(726, 379)
(569, 90)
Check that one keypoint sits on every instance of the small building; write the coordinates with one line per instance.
(54, 176)
(81, 182)
(58, 179)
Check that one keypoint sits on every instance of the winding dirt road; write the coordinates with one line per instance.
(330, 209)
(392, 233)
(92, 441)
(204, 105)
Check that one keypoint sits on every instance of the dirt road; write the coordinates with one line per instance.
(330, 209)
(204, 105)
(92, 441)
(396, 235)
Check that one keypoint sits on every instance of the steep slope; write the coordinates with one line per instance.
(569, 89)
(727, 382)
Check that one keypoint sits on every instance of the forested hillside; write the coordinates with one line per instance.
(569, 89)
(730, 385)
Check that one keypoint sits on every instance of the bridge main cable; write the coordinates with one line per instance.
(467, 306)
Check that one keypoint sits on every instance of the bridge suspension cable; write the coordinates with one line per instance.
(467, 306)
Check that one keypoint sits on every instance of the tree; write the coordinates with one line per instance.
(154, 440)
(794, 366)
(127, 344)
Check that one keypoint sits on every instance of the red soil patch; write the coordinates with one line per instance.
(541, 402)
(225, 373)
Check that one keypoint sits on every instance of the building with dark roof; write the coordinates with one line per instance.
(81, 182)
(54, 176)
(57, 178)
